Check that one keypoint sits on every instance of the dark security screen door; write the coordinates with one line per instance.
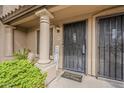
(111, 48)
(75, 46)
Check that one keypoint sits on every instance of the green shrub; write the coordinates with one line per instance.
(20, 74)
(21, 54)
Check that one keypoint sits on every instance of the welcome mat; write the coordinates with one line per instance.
(72, 76)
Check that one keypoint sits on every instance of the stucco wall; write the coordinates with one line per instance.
(1, 9)
(58, 41)
(2, 41)
(32, 40)
(20, 40)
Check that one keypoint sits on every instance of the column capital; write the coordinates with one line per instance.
(44, 12)
(9, 26)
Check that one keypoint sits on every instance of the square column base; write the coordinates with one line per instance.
(50, 69)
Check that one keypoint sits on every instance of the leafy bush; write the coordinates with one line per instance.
(21, 54)
(20, 74)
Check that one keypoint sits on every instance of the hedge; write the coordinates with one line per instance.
(20, 74)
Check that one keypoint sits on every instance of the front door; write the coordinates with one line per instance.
(75, 46)
(111, 47)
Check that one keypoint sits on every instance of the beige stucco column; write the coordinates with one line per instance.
(44, 35)
(44, 63)
(9, 40)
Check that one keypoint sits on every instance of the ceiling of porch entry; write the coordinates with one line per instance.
(62, 13)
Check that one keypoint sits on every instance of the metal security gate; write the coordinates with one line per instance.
(111, 47)
(75, 46)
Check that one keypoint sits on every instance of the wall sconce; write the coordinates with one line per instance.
(57, 29)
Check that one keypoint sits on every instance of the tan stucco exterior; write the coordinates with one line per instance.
(58, 41)
(28, 39)
(1, 41)
(20, 38)
(32, 39)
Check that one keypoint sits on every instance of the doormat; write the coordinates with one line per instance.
(72, 76)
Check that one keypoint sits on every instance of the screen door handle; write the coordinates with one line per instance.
(83, 50)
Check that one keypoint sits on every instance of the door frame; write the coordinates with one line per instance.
(86, 36)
